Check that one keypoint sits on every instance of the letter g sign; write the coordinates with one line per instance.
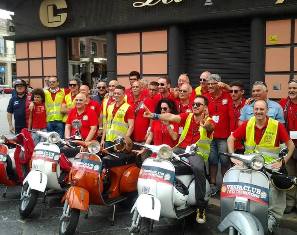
(50, 13)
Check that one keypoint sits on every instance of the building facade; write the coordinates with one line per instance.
(245, 40)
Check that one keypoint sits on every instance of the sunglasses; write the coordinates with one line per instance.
(161, 84)
(72, 84)
(164, 108)
(52, 81)
(197, 105)
(182, 91)
(260, 83)
(234, 91)
(203, 80)
(101, 87)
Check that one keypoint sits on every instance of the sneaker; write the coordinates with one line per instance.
(213, 189)
(272, 223)
(201, 218)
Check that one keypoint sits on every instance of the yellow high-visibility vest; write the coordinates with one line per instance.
(266, 145)
(116, 126)
(53, 107)
(203, 143)
(198, 90)
(69, 105)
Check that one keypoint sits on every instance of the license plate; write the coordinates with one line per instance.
(3, 158)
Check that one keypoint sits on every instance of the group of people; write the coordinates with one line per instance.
(215, 116)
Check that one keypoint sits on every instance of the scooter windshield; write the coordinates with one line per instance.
(88, 162)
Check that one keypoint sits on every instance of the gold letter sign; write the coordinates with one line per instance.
(48, 15)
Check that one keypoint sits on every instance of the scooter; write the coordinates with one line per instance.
(98, 180)
(245, 195)
(45, 172)
(166, 188)
(15, 155)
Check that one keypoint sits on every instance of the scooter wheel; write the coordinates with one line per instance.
(69, 223)
(28, 203)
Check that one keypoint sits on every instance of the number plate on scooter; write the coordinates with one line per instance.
(45, 154)
(88, 165)
(3, 158)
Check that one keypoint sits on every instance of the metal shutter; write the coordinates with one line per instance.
(222, 49)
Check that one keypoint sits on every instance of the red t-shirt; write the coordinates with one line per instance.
(38, 116)
(193, 134)
(149, 102)
(88, 118)
(290, 114)
(129, 114)
(220, 109)
(281, 137)
(184, 108)
(140, 123)
(161, 133)
(94, 105)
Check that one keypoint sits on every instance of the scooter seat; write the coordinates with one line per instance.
(182, 169)
(124, 159)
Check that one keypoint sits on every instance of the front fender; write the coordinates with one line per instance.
(77, 198)
(36, 180)
(148, 206)
(245, 223)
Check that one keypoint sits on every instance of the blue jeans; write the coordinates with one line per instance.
(218, 146)
(57, 126)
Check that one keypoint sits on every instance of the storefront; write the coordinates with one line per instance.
(245, 40)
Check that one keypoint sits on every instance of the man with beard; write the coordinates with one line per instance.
(164, 90)
(120, 119)
(264, 134)
(259, 92)
(197, 129)
(289, 106)
(18, 106)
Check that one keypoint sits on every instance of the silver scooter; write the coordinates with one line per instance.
(245, 195)
(166, 187)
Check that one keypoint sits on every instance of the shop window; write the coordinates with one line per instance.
(82, 49)
(94, 49)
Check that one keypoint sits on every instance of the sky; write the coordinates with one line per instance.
(5, 14)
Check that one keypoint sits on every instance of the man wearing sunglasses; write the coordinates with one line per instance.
(68, 102)
(164, 90)
(102, 91)
(238, 101)
(184, 102)
(88, 118)
(260, 92)
(197, 128)
(54, 97)
(203, 88)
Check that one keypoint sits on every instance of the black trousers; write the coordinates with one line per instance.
(198, 168)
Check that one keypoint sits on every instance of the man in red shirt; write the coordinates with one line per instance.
(220, 109)
(149, 101)
(133, 77)
(289, 106)
(184, 102)
(184, 79)
(164, 90)
(193, 124)
(137, 102)
(88, 118)
(238, 101)
(120, 119)
(91, 104)
(277, 198)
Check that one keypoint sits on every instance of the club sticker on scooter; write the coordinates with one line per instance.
(3, 157)
(88, 165)
(48, 155)
(249, 191)
(157, 173)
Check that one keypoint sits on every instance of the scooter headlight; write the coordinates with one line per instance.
(257, 163)
(94, 147)
(53, 138)
(165, 152)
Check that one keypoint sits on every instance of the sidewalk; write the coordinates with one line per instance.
(288, 221)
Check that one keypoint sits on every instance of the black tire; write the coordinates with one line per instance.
(68, 225)
(146, 226)
(27, 204)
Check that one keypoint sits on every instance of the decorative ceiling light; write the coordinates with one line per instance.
(279, 1)
(208, 3)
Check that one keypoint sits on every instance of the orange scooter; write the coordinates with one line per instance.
(95, 180)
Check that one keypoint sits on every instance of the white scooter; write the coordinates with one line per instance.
(44, 173)
(166, 188)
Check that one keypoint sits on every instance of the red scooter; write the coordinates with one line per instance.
(15, 156)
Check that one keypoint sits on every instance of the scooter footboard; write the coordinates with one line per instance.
(245, 223)
(36, 180)
(77, 198)
(148, 206)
